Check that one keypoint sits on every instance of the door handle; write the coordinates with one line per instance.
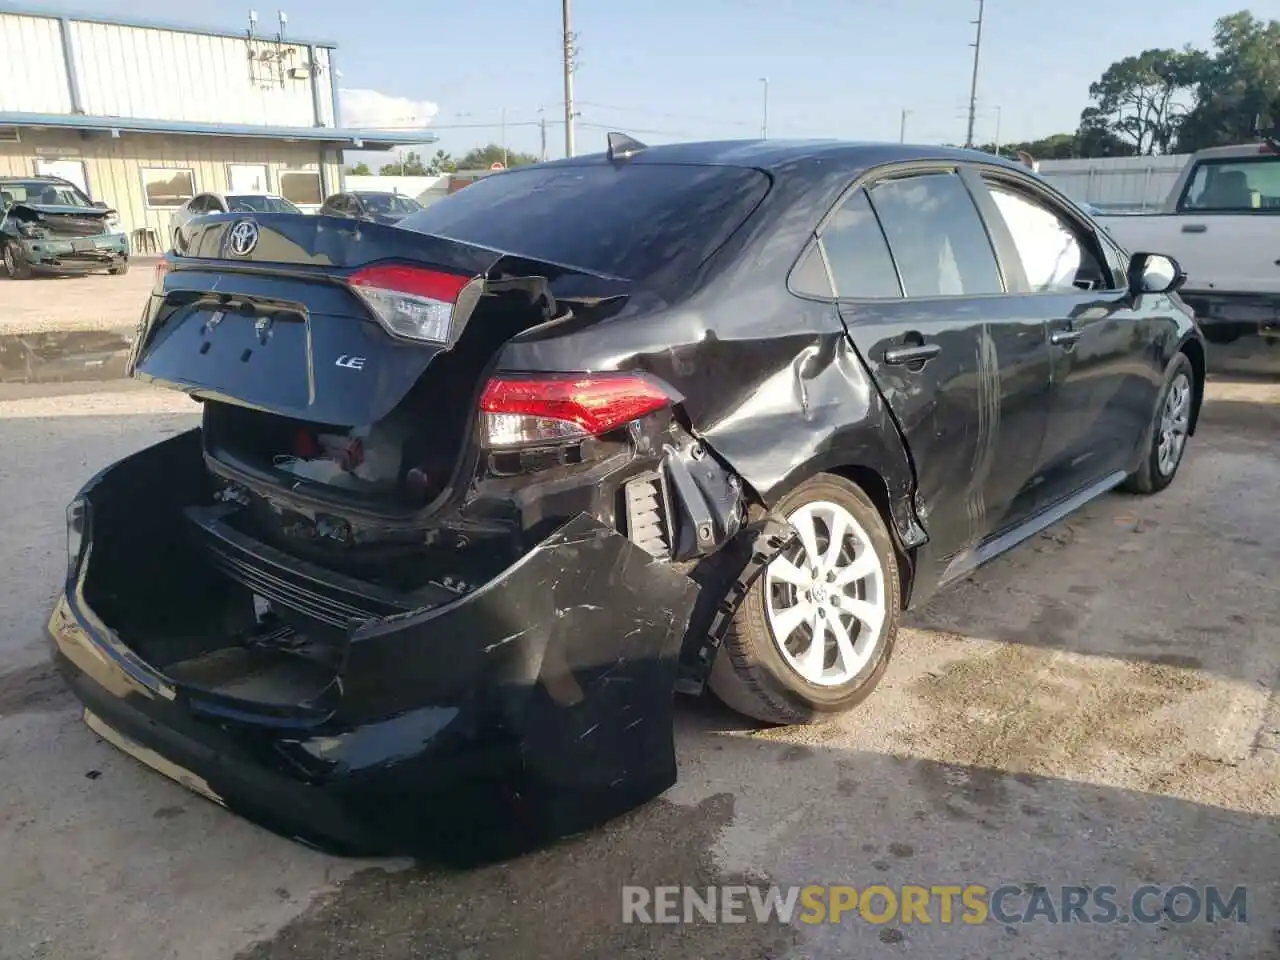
(1064, 338)
(917, 353)
(1194, 227)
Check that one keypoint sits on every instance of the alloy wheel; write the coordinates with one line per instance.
(10, 265)
(1175, 421)
(825, 596)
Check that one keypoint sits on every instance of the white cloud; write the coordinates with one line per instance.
(371, 110)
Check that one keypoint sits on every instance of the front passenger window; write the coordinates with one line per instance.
(1054, 258)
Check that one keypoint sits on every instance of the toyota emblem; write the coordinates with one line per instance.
(244, 237)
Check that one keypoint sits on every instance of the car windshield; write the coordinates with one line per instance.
(42, 192)
(256, 203)
(646, 218)
(389, 203)
(1240, 185)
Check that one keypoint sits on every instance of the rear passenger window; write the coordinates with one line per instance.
(936, 236)
(859, 259)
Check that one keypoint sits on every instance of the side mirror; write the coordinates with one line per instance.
(100, 204)
(1154, 273)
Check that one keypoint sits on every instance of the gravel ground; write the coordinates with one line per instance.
(96, 301)
(1099, 707)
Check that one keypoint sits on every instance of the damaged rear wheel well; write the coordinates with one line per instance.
(874, 486)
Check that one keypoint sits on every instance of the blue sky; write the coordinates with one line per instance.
(690, 69)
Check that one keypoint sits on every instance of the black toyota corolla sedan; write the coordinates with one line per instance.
(472, 497)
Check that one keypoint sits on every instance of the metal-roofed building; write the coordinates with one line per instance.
(145, 116)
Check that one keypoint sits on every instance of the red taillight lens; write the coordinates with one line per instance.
(411, 302)
(163, 267)
(520, 410)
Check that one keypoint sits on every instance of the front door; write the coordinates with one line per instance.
(1103, 390)
(922, 296)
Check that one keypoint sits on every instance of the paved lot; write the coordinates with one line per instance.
(96, 301)
(1100, 707)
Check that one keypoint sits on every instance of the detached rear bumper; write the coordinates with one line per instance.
(536, 706)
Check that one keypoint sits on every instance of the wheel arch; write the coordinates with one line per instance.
(872, 480)
(1194, 351)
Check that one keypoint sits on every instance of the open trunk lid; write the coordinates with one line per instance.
(311, 338)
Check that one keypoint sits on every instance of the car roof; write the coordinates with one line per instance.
(774, 154)
(37, 178)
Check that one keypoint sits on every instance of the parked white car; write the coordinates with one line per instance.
(206, 203)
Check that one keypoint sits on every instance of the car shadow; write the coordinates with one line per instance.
(748, 811)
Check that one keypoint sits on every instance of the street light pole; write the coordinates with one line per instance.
(902, 127)
(568, 79)
(504, 136)
(997, 131)
(764, 110)
(973, 83)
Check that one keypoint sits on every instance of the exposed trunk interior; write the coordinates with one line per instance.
(404, 460)
(220, 614)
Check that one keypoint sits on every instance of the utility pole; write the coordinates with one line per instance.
(997, 131)
(542, 132)
(902, 127)
(973, 84)
(568, 79)
(764, 111)
(504, 136)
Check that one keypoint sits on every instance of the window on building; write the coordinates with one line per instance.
(168, 186)
(72, 170)
(301, 187)
(247, 178)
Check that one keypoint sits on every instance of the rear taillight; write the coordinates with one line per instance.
(523, 410)
(413, 302)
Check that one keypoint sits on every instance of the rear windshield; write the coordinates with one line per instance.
(388, 203)
(256, 203)
(627, 221)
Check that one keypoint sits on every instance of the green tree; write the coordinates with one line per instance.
(1143, 99)
(1240, 82)
(442, 162)
(481, 158)
(410, 165)
(359, 170)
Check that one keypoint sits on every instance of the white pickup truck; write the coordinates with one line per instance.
(1221, 222)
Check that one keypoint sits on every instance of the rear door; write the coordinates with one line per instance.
(1103, 374)
(922, 295)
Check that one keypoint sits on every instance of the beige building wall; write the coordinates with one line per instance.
(113, 167)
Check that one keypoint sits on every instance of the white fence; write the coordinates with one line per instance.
(1117, 184)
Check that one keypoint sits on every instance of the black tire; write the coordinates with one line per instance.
(750, 674)
(120, 269)
(1151, 477)
(15, 267)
